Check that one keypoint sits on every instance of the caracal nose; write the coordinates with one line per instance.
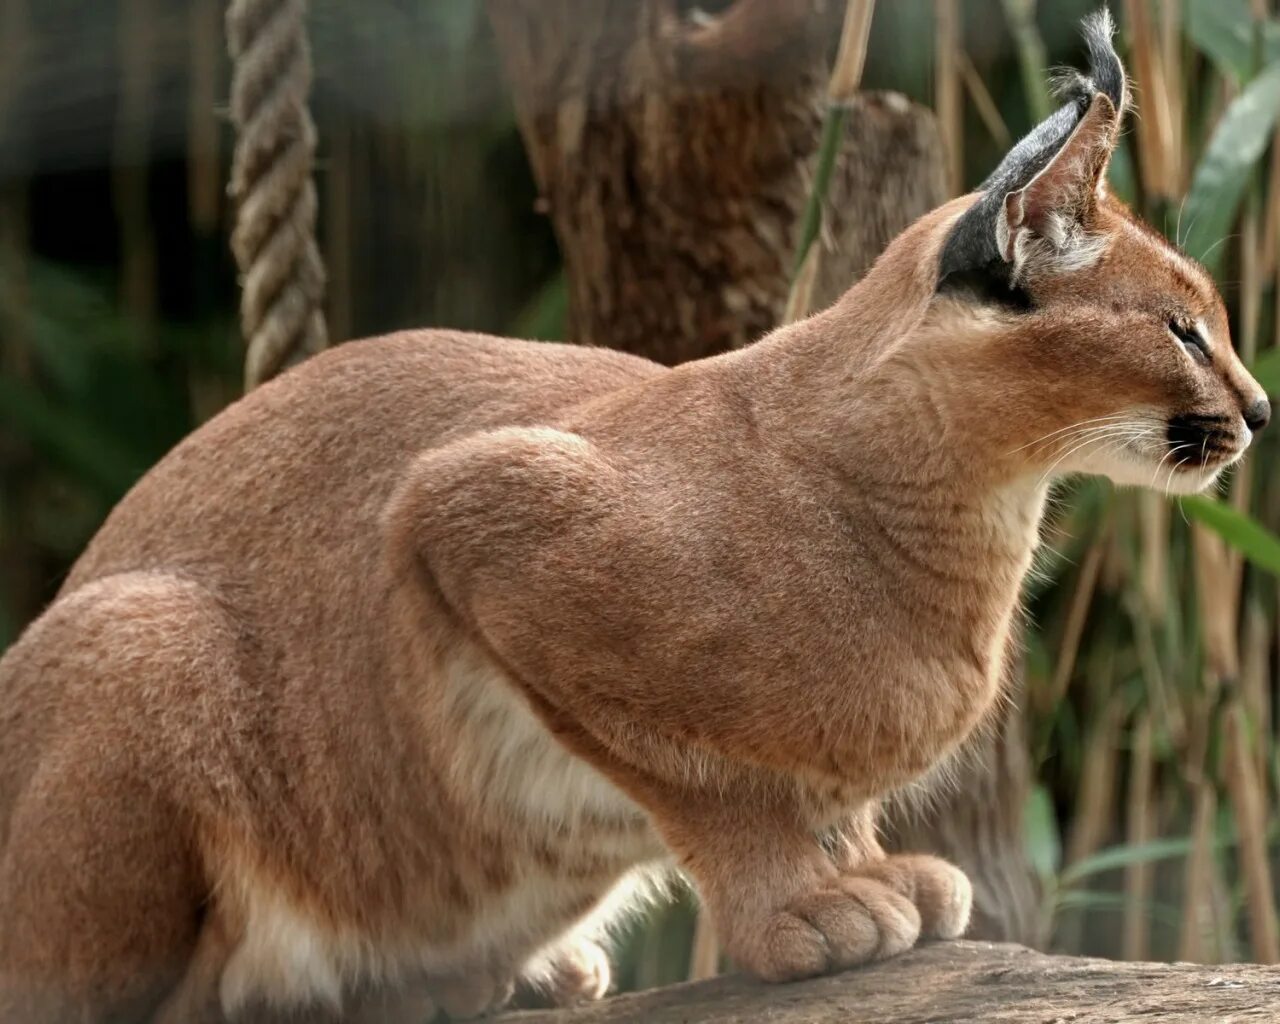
(1257, 414)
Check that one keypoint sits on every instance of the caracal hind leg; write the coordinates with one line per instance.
(940, 891)
(99, 901)
(101, 888)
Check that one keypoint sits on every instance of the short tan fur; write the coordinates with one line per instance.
(417, 666)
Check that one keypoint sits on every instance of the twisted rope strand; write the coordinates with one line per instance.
(274, 242)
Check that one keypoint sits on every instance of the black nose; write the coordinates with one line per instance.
(1257, 415)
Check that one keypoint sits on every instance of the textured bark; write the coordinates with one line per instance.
(673, 156)
(673, 153)
(959, 983)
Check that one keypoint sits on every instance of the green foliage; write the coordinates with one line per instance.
(1267, 371)
(1092, 899)
(99, 402)
(1123, 856)
(1225, 31)
(1041, 833)
(1223, 173)
(1241, 531)
(68, 438)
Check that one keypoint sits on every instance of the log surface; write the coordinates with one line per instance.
(959, 983)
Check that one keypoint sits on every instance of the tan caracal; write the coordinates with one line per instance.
(411, 669)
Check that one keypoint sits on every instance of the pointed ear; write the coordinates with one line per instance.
(1058, 204)
(1035, 210)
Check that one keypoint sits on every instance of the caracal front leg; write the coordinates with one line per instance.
(940, 891)
(779, 904)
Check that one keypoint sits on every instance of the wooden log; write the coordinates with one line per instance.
(958, 983)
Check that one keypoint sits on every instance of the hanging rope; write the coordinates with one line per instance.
(274, 242)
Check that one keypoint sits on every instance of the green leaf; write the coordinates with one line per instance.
(1266, 371)
(1040, 833)
(1221, 177)
(1245, 534)
(1224, 31)
(1114, 857)
(1091, 899)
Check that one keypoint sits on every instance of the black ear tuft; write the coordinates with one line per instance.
(1105, 68)
(1106, 71)
(972, 242)
(972, 245)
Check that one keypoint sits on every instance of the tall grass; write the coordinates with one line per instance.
(1158, 639)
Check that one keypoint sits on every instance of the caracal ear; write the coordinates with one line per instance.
(1057, 205)
(1035, 210)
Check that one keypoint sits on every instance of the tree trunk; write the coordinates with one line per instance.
(673, 150)
(958, 983)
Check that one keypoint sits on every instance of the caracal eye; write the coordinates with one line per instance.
(1191, 338)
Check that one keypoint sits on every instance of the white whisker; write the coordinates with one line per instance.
(1070, 426)
(1095, 435)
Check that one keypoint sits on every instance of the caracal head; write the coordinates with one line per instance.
(1117, 347)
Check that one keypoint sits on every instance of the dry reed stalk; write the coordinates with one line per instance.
(846, 73)
(947, 89)
(1117, 570)
(1094, 807)
(1095, 797)
(1195, 752)
(1153, 567)
(1172, 715)
(136, 47)
(1248, 807)
(1255, 683)
(1171, 40)
(704, 960)
(204, 168)
(1270, 261)
(1271, 219)
(15, 53)
(1224, 915)
(1156, 57)
(1218, 599)
(1197, 925)
(339, 228)
(1077, 616)
(1154, 134)
(1269, 269)
(1251, 281)
(800, 298)
(1232, 562)
(660, 958)
(983, 102)
(1139, 828)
